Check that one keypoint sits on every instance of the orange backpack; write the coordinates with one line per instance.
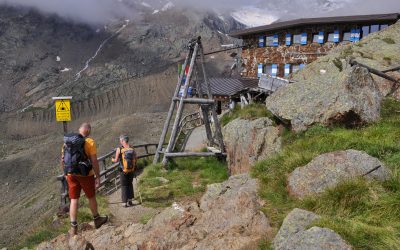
(128, 160)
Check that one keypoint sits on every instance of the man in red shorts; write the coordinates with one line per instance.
(81, 175)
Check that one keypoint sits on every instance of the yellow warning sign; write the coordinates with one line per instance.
(63, 110)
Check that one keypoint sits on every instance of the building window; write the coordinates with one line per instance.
(355, 35)
(384, 26)
(261, 41)
(365, 31)
(315, 38)
(260, 70)
(297, 39)
(336, 37)
(269, 41)
(288, 39)
(268, 69)
(331, 37)
(319, 38)
(274, 70)
(374, 28)
(295, 68)
(346, 36)
(287, 69)
(304, 39)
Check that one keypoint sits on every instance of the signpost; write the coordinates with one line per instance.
(63, 110)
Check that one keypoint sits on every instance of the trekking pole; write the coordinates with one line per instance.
(137, 188)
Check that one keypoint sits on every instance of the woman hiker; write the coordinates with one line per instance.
(126, 156)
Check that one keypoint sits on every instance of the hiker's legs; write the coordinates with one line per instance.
(73, 210)
(124, 187)
(93, 205)
(130, 193)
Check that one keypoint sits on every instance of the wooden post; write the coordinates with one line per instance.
(170, 113)
(218, 132)
(204, 111)
(206, 118)
(181, 105)
(65, 126)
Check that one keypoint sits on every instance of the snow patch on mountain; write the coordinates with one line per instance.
(167, 6)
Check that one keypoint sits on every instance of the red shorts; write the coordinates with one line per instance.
(77, 183)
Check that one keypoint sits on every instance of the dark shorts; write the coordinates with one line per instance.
(77, 183)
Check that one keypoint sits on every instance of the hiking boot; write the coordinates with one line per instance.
(129, 203)
(135, 203)
(74, 229)
(100, 220)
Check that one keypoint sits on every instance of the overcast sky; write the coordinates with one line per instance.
(102, 11)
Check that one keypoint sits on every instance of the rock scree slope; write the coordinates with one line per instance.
(227, 217)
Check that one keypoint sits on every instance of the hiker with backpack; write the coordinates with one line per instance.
(81, 168)
(127, 158)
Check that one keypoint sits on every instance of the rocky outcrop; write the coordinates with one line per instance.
(294, 235)
(228, 217)
(343, 95)
(327, 170)
(250, 141)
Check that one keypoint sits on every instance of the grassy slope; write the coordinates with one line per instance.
(186, 177)
(365, 213)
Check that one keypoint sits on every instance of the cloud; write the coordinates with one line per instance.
(102, 11)
(87, 11)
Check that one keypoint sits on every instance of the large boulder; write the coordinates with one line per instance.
(327, 170)
(250, 141)
(227, 217)
(345, 96)
(294, 235)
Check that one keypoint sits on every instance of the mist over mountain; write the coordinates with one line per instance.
(249, 12)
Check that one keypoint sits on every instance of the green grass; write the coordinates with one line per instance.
(186, 177)
(146, 217)
(249, 112)
(389, 40)
(388, 59)
(49, 230)
(365, 213)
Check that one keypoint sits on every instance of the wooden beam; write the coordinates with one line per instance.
(218, 131)
(179, 112)
(391, 70)
(170, 113)
(195, 101)
(191, 154)
(374, 71)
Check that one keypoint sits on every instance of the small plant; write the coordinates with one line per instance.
(346, 52)
(338, 64)
(389, 40)
(388, 59)
(249, 112)
(146, 218)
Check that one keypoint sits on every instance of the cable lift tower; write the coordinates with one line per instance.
(180, 99)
